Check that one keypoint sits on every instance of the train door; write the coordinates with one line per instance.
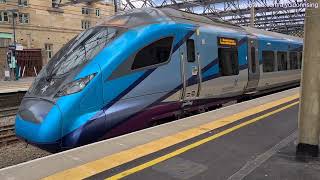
(227, 83)
(253, 65)
(190, 69)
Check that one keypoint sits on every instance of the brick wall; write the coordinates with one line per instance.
(48, 25)
(3, 61)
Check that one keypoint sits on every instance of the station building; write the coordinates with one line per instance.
(43, 27)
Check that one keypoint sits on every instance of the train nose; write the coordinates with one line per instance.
(38, 121)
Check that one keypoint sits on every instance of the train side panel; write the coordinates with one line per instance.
(278, 78)
(213, 84)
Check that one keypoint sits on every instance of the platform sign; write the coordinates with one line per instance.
(225, 41)
(12, 47)
(6, 73)
(19, 47)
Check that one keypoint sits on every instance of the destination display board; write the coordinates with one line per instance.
(224, 41)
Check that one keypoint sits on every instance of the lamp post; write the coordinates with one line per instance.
(13, 15)
(13, 57)
(115, 6)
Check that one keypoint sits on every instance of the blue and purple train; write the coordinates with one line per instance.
(139, 67)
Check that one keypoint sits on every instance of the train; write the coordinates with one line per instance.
(139, 67)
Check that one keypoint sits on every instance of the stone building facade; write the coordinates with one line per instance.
(41, 24)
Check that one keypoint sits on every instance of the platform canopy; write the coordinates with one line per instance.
(284, 16)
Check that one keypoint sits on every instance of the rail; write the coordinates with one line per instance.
(7, 135)
(6, 112)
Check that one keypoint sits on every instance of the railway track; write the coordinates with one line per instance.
(6, 112)
(11, 99)
(7, 135)
(9, 103)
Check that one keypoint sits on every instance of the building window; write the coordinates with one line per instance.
(4, 42)
(3, 1)
(294, 60)
(228, 61)
(282, 61)
(23, 18)
(85, 24)
(268, 61)
(97, 12)
(4, 16)
(191, 56)
(154, 54)
(48, 48)
(23, 2)
(85, 10)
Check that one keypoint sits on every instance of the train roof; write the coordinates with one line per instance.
(137, 17)
(269, 34)
(143, 16)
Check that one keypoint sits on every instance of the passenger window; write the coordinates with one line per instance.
(268, 61)
(282, 61)
(156, 53)
(293, 60)
(300, 60)
(190, 50)
(253, 60)
(228, 61)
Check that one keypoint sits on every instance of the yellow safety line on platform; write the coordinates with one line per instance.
(194, 145)
(117, 159)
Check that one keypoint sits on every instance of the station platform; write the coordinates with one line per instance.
(22, 84)
(254, 139)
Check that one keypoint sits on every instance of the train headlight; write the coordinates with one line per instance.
(75, 86)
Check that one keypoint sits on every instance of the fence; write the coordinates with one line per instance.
(29, 61)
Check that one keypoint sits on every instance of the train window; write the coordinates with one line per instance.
(253, 60)
(300, 59)
(156, 53)
(293, 60)
(282, 61)
(80, 50)
(268, 61)
(190, 50)
(228, 61)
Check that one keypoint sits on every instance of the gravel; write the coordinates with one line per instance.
(17, 153)
(7, 120)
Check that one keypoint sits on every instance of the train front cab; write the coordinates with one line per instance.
(38, 122)
(66, 93)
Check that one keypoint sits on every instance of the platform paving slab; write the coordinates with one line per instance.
(283, 165)
(58, 162)
(22, 84)
(224, 157)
